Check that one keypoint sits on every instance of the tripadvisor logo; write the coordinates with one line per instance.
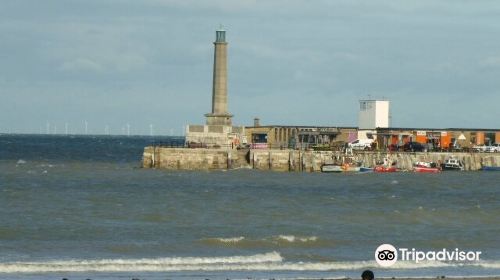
(387, 255)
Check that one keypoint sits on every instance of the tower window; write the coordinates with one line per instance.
(363, 106)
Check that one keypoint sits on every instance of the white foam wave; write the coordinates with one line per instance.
(158, 264)
(273, 239)
(230, 239)
(488, 264)
(260, 262)
(292, 238)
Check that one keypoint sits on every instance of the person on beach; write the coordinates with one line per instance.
(367, 275)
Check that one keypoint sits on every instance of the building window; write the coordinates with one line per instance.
(363, 106)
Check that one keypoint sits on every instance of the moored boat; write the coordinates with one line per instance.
(385, 169)
(452, 164)
(340, 168)
(490, 168)
(331, 168)
(426, 167)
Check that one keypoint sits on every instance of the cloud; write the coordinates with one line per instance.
(306, 62)
(490, 62)
(81, 64)
(221, 5)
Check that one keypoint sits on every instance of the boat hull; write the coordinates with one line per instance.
(490, 168)
(427, 169)
(327, 168)
(383, 169)
(451, 168)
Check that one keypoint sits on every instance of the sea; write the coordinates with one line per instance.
(81, 207)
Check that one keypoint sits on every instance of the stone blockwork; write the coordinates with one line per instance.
(311, 161)
(294, 160)
(193, 159)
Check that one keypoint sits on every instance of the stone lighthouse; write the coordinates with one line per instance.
(218, 132)
(219, 114)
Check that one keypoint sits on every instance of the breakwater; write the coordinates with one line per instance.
(295, 160)
(311, 161)
(193, 159)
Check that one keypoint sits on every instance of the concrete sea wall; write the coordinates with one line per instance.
(311, 161)
(294, 160)
(192, 159)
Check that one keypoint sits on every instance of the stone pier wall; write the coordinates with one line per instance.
(192, 159)
(311, 161)
(293, 160)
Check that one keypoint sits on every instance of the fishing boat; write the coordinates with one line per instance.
(346, 163)
(490, 168)
(426, 167)
(387, 165)
(452, 164)
(340, 168)
(385, 169)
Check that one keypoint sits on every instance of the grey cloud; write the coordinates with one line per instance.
(291, 62)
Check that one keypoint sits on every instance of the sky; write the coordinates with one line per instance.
(117, 62)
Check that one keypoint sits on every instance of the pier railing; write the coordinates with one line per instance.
(179, 144)
(275, 146)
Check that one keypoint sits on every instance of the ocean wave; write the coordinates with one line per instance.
(292, 238)
(261, 262)
(144, 264)
(226, 240)
(488, 264)
(273, 241)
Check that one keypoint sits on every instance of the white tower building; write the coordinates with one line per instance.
(373, 114)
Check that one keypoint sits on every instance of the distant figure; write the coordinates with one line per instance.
(367, 275)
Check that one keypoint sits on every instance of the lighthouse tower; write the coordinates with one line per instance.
(218, 132)
(219, 114)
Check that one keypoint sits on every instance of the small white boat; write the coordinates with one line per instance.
(339, 168)
(331, 168)
(452, 164)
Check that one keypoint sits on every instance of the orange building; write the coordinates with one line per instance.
(421, 137)
(445, 140)
(479, 138)
(437, 139)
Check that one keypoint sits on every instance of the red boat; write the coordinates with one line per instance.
(426, 167)
(384, 169)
